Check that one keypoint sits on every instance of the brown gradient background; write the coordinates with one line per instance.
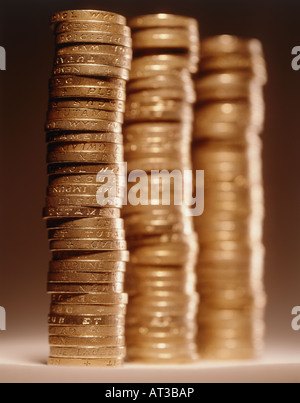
(25, 34)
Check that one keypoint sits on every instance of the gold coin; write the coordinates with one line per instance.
(96, 48)
(163, 239)
(93, 70)
(211, 236)
(106, 256)
(138, 310)
(151, 71)
(85, 266)
(83, 125)
(154, 273)
(55, 180)
(92, 26)
(79, 223)
(163, 20)
(88, 245)
(86, 278)
(173, 331)
(228, 85)
(163, 111)
(84, 157)
(84, 320)
(164, 300)
(71, 81)
(83, 201)
(155, 211)
(79, 189)
(231, 333)
(93, 38)
(102, 104)
(167, 38)
(230, 44)
(86, 331)
(160, 255)
(114, 138)
(238, 114)
(255, 64)
(88, 15)
(133, 336)
(174, 79)
(87, 310)
(235, 132)
(152, 95)
(85, 288)
(79, 169)
(85, 147)
(90, 299)
(81, 212)
(93, 59)
(164, 287)
(88, 352)
(77, 113)
(160, 129)
(62, 195)
(83, 341)
(86, 233)
(131, 149)
(83, 233)
(217, 316)
(89, 363)
(227, 257)
(161, 347)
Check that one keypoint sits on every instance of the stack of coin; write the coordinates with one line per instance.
(227, 146)
(160, 279)
(85, 157)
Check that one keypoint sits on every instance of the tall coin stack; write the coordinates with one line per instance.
(160, 279)
(85, 156)
(228, 121)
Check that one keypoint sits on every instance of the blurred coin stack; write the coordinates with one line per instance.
(85, 156)
(160, 279)
(228, 121)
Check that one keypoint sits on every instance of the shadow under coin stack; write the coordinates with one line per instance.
(160, 279)
(229, 119)
(85, 145)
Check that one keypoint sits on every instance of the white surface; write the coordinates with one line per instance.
(25, 362)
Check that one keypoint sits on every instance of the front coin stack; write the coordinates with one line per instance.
(160, 278)
(229, 119)
(85, 150)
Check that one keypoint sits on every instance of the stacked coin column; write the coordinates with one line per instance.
(85, 156)
(229, 119)
(160, 278)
